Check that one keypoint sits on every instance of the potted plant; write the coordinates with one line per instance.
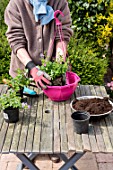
(10, 104)
(64, 82)
(12, 100)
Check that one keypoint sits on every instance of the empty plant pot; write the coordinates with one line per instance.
(62, 93)
(81, 121)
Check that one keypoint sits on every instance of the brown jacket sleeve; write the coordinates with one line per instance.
(15, 33)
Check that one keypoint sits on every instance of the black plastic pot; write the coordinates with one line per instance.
(11, 115)
(81, 121)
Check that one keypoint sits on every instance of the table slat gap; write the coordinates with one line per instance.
(56, 138)
(98, 91)
(3, 133)
(110, 129)
(99, 137)
(8, 138)
(46, 144)
(92, 139)
(63, 133)
(76, 93)
(69, 126)
(92, 89)
(105, 134)
(82, 90)
(78, 142)
(103, 91)
(17, 131)
(38, 125)
(24, 129)
(86, 143)
(87, 90)
(30, 134)
(1, 119)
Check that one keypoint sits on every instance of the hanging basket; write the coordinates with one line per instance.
(11, 115)
(62, 93)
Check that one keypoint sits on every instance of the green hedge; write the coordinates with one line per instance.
(93, 23)
(93, 19)
(85, 61)
(4, 46)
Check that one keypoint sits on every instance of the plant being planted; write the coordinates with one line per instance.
(56, 70)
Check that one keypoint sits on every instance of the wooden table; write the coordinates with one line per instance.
(47, 128)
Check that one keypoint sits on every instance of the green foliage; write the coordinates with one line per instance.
(54, 69)
(10, 100)
(93, 19)
(4, 46)
(19, 81)
(86, 63)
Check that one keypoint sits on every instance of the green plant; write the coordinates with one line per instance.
(5, 50)
(93, 19)
(11, 100)
(19, 81)
(86, 62)
(55, 69)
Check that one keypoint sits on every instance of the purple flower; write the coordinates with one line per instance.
(25, 105)
(29, 106)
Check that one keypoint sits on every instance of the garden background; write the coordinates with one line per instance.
(90, 49)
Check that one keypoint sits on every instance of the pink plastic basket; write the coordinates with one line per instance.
(62, 93)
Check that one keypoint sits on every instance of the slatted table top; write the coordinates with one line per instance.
(47, 127)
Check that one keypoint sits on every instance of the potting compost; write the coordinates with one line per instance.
(93, 106)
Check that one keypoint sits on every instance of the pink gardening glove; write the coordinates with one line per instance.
(41, 78)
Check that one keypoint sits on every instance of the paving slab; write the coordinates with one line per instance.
(101, 157)
(89, 161)
(105, 166)
(3, 165)
(9, 158)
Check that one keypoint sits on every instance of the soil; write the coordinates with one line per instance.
(93, 106)
(60, 81)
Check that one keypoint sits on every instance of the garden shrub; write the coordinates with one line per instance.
(86, 63)
(93, 19)
(4, 46)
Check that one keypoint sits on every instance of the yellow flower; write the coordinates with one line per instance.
(99, 1)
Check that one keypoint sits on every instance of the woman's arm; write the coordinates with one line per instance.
(23, 56)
